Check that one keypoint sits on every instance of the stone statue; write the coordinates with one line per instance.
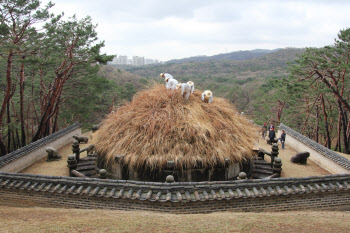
(81, 139)
(95, 128)
(52, 154)
(300, 157)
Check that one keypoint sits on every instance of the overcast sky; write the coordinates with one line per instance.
(169, 29)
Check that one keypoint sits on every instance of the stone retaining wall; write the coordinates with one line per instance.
(27, 155)
(277, 194)
(314, 201)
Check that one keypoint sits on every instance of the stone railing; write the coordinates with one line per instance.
(176, 191)
(335, 157)
(36, 146)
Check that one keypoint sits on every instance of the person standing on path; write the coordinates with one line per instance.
(283, 138)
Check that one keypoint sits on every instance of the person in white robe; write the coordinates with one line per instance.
(207, 96)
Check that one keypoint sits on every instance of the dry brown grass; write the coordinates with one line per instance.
(14, 219)
(159, 125)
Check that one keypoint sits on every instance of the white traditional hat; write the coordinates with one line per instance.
(161, 74)
(166, 79)
(190, 83)
(208, 93)
(178, 85)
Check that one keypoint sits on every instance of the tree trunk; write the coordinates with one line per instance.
(328, 137)
(6, 98)
(339, 132)
(8, 127)
(317, 125)
(345, 139)
(21, 90)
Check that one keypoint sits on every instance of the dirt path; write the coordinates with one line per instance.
(59, 168)
(55, 168)
(290, 169)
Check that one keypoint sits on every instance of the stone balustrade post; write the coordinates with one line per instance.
(103, 174)
(277, 166)
(76, 150)
(242, 176)
(71, 163)
(274, 152)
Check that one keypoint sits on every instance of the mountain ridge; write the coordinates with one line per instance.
(236, 55)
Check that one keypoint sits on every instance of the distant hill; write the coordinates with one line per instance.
(236, 80)
(272, 63)
(237, 55)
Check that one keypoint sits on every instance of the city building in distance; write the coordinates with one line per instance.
(134, 61)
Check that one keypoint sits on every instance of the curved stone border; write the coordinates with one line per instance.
(177, 191)
(340, 160)
(4, 160)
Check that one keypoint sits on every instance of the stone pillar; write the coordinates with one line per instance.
(72, 164)
(76, 150)
(169, 179)
(274, 152)
(261, 154)
(231, 170)
(242, 176)
(118, 167)
(277, 166)
(103, 174)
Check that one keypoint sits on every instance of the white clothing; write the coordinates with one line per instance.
(186, 90)
(206, 98)
(171, 84)
(169, 76)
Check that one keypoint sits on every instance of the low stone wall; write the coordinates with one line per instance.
(27, 155)
(327, 159)
(279, 194)
(320, 201)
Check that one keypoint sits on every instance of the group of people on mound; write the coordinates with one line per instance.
(186, 88)
(272, 134)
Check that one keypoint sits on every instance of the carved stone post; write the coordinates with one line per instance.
(277, 166)
(103, 174)
(242, 176)
(76, 150)
(261, 154)
(72, 164)
(169, 179)
(274, 152)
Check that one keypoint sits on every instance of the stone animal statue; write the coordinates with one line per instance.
(207, 96)
(186, 89)
(170, 83)
(300, 157)
(94, 128)
(52, 154)
(81, 139)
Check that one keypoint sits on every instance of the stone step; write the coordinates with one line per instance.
(262, 171)
(90, 158)
(89, 173)
(259, 176)
(263, 162)
(85, 168)
(265, 167)
(84, 163)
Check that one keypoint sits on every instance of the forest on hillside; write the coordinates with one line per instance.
(49, 73)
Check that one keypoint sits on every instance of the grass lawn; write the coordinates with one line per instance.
(14, 219)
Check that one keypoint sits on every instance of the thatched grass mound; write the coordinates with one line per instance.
(159, 125)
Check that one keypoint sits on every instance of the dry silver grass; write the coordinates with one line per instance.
(158, 125)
